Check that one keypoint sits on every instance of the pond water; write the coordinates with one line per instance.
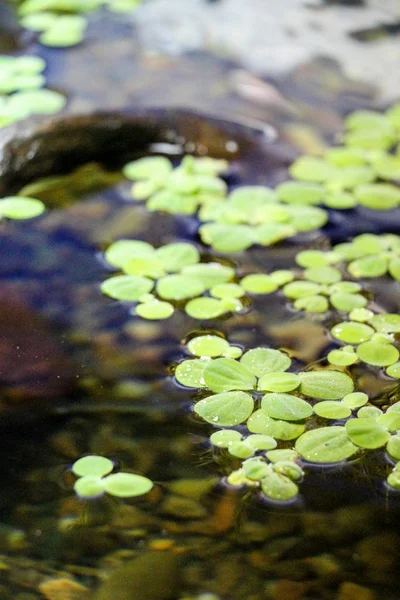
(81, 375)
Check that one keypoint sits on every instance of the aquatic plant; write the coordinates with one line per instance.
(95, 478)
(62, 23)
(21, 89)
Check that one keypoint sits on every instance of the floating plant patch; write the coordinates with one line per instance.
(21, 93)
(63, 23)
(94, 479)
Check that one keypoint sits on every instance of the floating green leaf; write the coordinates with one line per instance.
(282, 455)
(176, 256)
(393, 447)
(355, 400)
(128, 288)
(179, 287)
(312, 304)
(241, 449)
(256, 469)
(342, 358)
(227, 290)
(261, 361)
(386, 323)
(120, 252)
(208, 345)
(279, 487)
(332, 409)
(278, 382)
(294, 192)
(325, 445)
(225, 410)
(227, 238)
(380, 355)
(367, 433)
(90, 487)
(285, 407)
(261, 442)
(224, 437)
(127, 485)
(210, 274)
(225, 374)
(190, 373)
(16, 207)
(93, 465)
(205, 308)
(368, 266)
(260, 422)
(155, 310)
(351, 332)
(348, 302)
(325, 385)
(258, 284)
(149, 167)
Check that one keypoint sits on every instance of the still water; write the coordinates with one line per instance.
(80, 375)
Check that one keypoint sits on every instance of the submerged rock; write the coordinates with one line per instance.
(151, 576)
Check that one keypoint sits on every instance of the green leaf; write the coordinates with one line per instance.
(294, 192)
(325, 445)
(225, 374)
(176, 256)
(149, 167)
(332, 409)
(227, 238)
(355, 400)
(378, 196)
(227, 290)
(279, 382)
(312, 168)
(252, 195)
(312, 304)
(120, 252)
(258, 284)
(394, 370)
(285, 407)
(210, 274)
(89, 487)
(368, 267)
(380, 355)
(289, 469)
(369, 412)
(260, 361)
(261, 442)
(278, 487)
(282, 455)
(348, 302)
(179, 287)
(17, 207)
(190, 373)
(351, 332)
(279, 429)
(393, 447)
(95, 466)
(127, 485)
(241, 449)
(208, 345)
(326, 385)
(386, 323)
(155, 310)
(225, 410)
(367, 433)
(301, 289)
(316, 258)
(324, 275)
(205, 308)
(256, 469)
(342, 358)
(390, 420)
(225, 437)
(128, 288)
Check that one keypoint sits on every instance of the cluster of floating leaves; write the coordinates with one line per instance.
(361, 171)
(231, 222)
(95, 478)
(21, 89)
(159, 280)
(277, 417)
(62, 23)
